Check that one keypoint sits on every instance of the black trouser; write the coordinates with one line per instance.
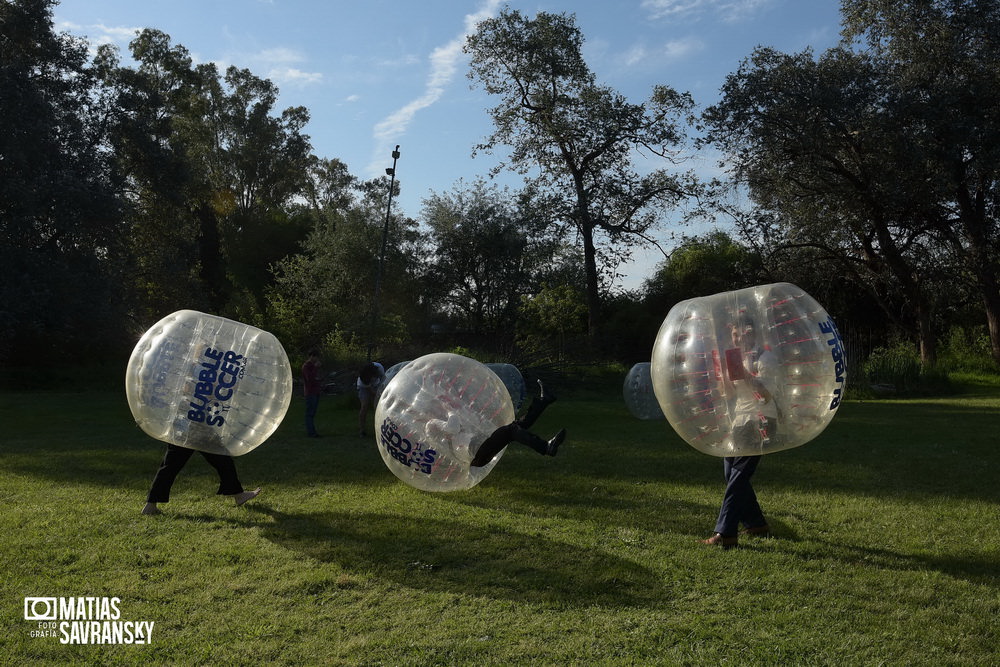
(739, 503)
(176, 457)
(515, 431)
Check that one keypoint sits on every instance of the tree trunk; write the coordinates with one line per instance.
(991, 304)
(925, 332)
(593, 284)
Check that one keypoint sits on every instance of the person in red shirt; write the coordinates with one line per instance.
(312, 389)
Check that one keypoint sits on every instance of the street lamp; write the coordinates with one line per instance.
(391, 173)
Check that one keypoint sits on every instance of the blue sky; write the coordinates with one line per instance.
(377, 73)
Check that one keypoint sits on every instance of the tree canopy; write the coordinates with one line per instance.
(578, 139)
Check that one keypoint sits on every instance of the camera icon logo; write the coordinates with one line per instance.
(40, 609)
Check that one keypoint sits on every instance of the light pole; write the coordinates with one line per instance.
(391, 173)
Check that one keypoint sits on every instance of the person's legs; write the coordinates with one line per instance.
(537, 407)
(504, 435)
(173, 461)
(229, 480)
(312, 407)
(493, 445)
(367, 398)
(739, 502)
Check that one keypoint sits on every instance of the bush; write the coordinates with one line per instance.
(967, 350)
(897, 369)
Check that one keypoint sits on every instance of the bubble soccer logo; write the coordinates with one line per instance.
(839, 357)
(216, 379)
(416, 456)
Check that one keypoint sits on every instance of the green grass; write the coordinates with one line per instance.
(887, 549)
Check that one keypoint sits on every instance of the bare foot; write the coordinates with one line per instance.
(247, 495)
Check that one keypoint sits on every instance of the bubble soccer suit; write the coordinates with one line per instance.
(205, 383)
(746, 373)
(444, 420)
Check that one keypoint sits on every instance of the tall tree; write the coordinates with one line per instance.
(824, 146)
(943, 57)
(487, 250)
(60, 220)
(325, 291)
(213, 173)
(577, 138)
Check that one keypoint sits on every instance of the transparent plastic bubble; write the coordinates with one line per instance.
(752, 371)
(638, 393)
(513, 380)
(389, 374)
(433, 416)
(208, 383)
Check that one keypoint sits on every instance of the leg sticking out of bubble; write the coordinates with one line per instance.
(517, 431)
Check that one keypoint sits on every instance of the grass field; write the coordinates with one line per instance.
(887, 550)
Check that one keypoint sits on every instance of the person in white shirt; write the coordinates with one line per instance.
(370, 379)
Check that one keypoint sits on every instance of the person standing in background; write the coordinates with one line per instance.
(370, 378)
(312, 389)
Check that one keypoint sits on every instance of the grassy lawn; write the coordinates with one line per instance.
(887, 550)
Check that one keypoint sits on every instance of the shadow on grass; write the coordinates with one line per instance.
(911, 449)
(979, 569)
(463, 558)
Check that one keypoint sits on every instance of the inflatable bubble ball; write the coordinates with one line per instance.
(752, 371)
(638, 393)
(208, 383)
(432, 417)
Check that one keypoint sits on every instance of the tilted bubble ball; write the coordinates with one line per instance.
(208, 383)
(638, 393)
(751, 371)
(433, 416)
(513, 380)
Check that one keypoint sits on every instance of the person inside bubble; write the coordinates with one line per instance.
(517, 431)
(750, 366)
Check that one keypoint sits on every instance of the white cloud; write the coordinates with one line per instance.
(280, 55)
(444, 61)
(641, 54)
(636, 55)
(726, 10)
(681, 48)
(277, 62)
(293, 76)
(98, 34)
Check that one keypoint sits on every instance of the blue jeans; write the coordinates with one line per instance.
(739, 503)
(312, 405)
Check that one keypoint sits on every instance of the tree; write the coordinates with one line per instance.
(701, 266)
(826, 150)
(488, 247)
(944, 60)
(213, 175)
(324, 292)
(578, 138)
(60, 220)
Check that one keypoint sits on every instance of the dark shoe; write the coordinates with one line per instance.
(553, 445)
(757, 531)
(719, 540)
(314, 435)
